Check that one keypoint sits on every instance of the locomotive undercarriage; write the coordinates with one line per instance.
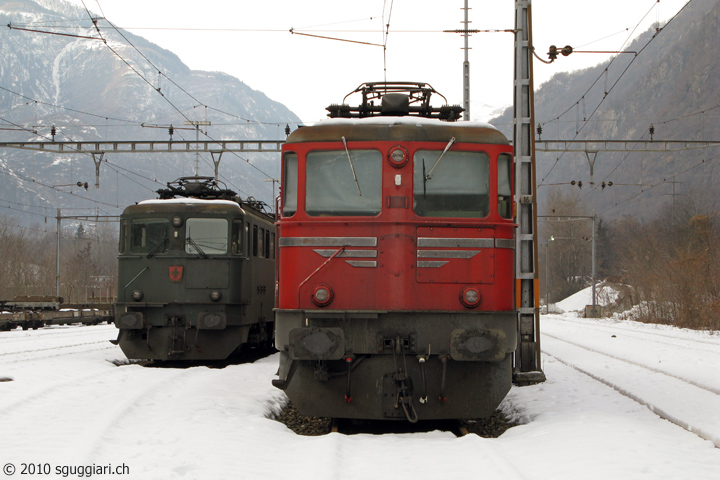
(204, 335)
(410, 365)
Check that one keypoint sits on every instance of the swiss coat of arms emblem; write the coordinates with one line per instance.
(175, 272)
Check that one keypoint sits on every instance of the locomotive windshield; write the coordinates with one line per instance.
(458, 187)
(338, 185)
(149, 235)
(206, 236)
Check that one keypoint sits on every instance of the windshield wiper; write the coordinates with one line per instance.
(157, 246)
(196, 247)
(351, 165)
(447, 147)
(424, 180)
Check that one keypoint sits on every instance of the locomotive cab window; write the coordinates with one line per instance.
(260, 243)
(237, 237)
(504, 189)
(290, 185)
(123, 232)
(206, 236)
(149, 235)
(341, 183)
(455, 184)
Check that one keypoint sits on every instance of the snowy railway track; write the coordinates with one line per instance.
(648, 334)
(709, 388)
(64, 332)
(49, 352)
(38, 345)
(676, 396)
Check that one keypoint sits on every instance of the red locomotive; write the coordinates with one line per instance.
(395, 261)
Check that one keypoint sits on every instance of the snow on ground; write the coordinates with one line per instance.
(596, 417)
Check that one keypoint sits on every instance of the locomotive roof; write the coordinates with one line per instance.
(416, 129)
(198, 201)
(173, 204)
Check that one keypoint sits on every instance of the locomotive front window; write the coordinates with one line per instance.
(206, 236)
(149, 235)
(456, 185)
(343, 183)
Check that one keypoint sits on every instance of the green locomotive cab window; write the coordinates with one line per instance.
(123, 233)
(149, 235)
(260, 243)
(290, 185)
(206, 236)
(267, 243)
(237, 237)
(504, 188)
(455, 184)
(341, 183)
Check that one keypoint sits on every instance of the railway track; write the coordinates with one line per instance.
(39, 344)
(646, 383)
(647, 334)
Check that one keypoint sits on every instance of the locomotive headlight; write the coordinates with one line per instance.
(215, 296)
(470, 297)
(398, 156)
(137, 295)
(322, 295)
(177, 222)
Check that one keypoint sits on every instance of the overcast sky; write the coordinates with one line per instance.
(251, 40)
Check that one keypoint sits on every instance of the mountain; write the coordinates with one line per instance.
(673, 83)
(123, 89)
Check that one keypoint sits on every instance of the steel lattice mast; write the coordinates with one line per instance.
(527, 356)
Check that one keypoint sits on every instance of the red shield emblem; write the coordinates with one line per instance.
(175, 272)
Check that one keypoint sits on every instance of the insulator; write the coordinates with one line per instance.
(539, 130)
(171, 130)
(567, 50)
(53, 131)
(287, 130)
(552, 54)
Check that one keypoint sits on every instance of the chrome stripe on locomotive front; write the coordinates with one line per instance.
(362, 263)
(347, 253)
(447, 253)
(328, 242)
(455, 242)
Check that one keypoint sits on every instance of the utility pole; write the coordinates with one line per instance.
(466, 68)
(527, 355)
(57, 257)
(197, 124)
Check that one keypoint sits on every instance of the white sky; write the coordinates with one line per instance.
(307, 74)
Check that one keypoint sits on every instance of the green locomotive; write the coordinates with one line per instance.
(196, 274)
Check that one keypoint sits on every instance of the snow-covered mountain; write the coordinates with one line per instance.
(123, 88)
